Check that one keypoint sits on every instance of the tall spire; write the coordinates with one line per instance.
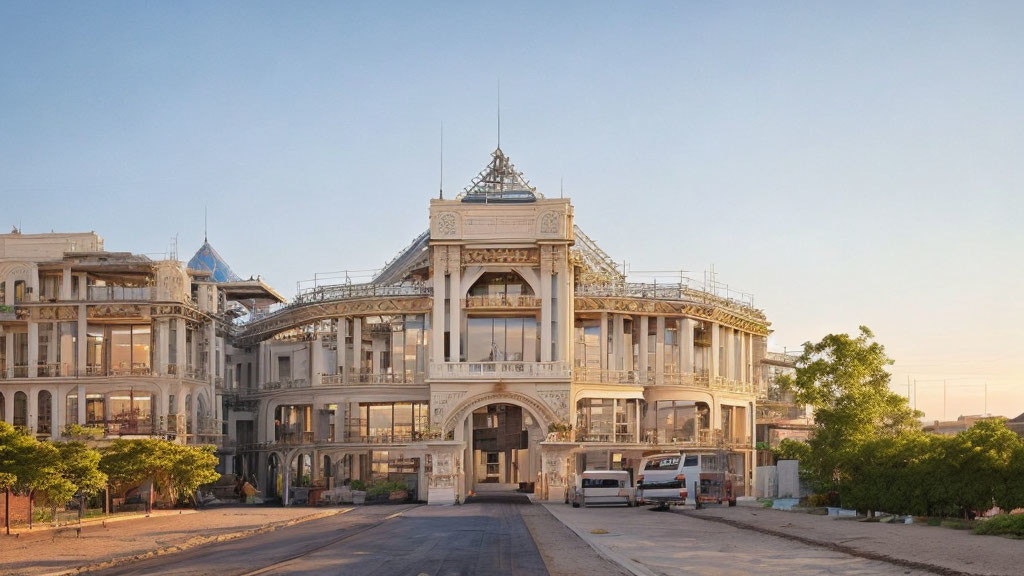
(440, 188)
(499, 113)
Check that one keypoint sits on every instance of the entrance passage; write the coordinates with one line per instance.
(501, 457)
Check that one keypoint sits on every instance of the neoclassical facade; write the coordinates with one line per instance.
(502, 348)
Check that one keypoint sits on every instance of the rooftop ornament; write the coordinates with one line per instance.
(499, 182)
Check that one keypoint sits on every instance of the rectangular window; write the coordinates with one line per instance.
(672, 346)
(284, 368)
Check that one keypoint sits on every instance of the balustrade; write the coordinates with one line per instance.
(477, 370)
(501, 301)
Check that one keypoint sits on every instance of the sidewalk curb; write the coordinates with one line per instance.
(197, 541)
(100, 520)
(902, 562)
(629, 564)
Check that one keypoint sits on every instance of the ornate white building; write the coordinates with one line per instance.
(501, 347)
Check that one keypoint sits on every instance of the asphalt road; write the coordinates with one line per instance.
(476, 538)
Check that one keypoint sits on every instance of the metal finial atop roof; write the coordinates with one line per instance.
(499, 182)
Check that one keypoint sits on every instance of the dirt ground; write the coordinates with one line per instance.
(933, 548)
(55, 551)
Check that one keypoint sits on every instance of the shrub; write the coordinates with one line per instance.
(385, 488)
(359, 485)
(1002, 525)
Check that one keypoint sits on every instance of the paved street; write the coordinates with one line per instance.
(488, 538)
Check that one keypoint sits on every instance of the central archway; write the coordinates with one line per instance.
(501, 432)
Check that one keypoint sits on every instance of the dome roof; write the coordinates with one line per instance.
(207, 259)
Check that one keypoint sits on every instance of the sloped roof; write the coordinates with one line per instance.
(499, 182)
(208, 260)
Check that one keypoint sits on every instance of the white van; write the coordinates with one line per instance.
(602, 487)
(669, 478)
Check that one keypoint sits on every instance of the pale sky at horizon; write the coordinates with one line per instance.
(848, 164)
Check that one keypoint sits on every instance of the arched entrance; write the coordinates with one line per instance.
(499, 455)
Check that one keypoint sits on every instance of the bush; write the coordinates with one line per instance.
(385, 488)
(1002, 525)
(359, 485)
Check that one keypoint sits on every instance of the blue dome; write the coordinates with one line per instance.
(209, 260)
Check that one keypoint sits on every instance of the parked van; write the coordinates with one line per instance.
(602, 487)
(680, 478)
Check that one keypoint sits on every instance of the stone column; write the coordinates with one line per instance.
(659, 351)
(316, 361)
(33, 409)
(58, 409)
(179, 345)
(713, 360)
(604, 341)
(9, 345)
(455, 320)
(357, 343)
(642, 367)
(686, 327)
(33, 348)
(65, 283)
(81, 405)
(437, 318)
(617, 341)
(341, 335)
(545, 303)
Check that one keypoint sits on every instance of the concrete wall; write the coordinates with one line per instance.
(789, 478)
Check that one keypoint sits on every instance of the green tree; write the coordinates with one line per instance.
(175, 469)
(844, 379)
(980, 459)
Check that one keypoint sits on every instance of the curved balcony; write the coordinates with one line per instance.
(500, 370)
(501, 302)
(596, 375)
(360, 377)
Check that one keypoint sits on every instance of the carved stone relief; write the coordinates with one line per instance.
(441, 403)
(447, 225)
(549, 223)
(501, 256)
(558, 401)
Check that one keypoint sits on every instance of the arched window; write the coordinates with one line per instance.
(20, 409)
(501, 284)
(45, 417)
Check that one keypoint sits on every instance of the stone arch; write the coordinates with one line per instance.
(537, 408)
(473, 273)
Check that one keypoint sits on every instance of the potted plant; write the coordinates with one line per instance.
(358, 492)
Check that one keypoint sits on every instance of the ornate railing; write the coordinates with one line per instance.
(596, 375)
(105, 293)
(369, 290)
(511, 370)
(351, 377)
(676, 291)
(286, 384)
(501, 301)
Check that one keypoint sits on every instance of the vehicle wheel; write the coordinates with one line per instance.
(732, 503)
(575, 504)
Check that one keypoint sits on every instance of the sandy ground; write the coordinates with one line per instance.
(564, 553)
(651, 543)
(942, 550)
(48, 551)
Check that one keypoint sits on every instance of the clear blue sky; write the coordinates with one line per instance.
(849, 164)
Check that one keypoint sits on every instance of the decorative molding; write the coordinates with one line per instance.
(447, 225)
(56, 313)
(558, 401)
(549, 223)
(539, 410)
(441, 402)
(501, 256)
(708, 312)
(117, 311)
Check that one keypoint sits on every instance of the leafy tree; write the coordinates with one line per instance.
(844, 379)
(790, 449)
(980, 458)
(175, 469)
(54, 472)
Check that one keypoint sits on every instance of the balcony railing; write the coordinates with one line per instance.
(105, 293)
(501, 301)
(584, 374)
(351, 377)
(286, 384)
(283, 437)
(510, 370)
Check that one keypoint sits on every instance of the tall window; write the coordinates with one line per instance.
(671, 345)
(129, 348)
(387, 421)
(588, 344)
(502, 339)
(607, 419)
(683, 421)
